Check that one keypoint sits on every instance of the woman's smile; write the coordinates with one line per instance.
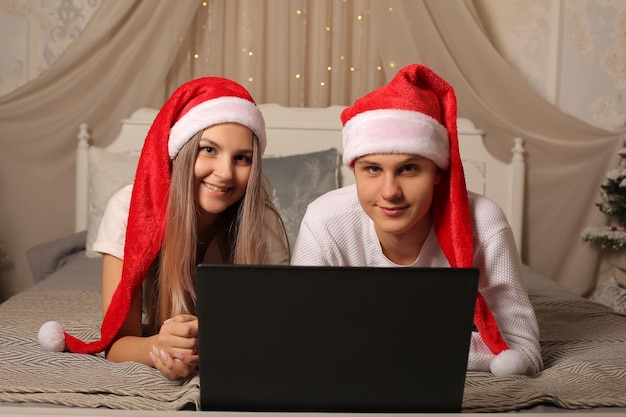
(216, 188)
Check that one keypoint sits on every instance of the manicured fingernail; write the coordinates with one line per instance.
(179, 356)
(171, 319)
(153, 357)
(154, 350)
(164, 356)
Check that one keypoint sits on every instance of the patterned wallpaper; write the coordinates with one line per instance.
(572, 52)
(596, 45)
(35, 33)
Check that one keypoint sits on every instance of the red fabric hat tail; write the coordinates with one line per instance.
(487, 326)
(416, 113)
(144, 232)
(146, 219)
(450, 207)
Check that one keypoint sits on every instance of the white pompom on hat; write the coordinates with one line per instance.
(193, 107)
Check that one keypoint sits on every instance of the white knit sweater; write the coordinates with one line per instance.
(336, 231)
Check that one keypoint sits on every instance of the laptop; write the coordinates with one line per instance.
(334, 339)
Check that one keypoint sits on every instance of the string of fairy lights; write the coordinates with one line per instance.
(325, 72)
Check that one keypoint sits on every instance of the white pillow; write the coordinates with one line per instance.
(108, 173)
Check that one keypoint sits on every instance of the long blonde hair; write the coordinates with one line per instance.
(244, 235)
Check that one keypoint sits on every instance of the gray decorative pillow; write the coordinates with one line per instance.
(299, 179)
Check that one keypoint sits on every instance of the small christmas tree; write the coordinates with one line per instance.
(613, 192)
(613, 204)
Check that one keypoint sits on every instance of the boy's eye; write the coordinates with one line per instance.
(373, 169)
(409, 168)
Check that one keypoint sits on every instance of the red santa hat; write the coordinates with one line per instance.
(193, 107)
(416, 113)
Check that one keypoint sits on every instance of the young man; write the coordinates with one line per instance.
(410, 208)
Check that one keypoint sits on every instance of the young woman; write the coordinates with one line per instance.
(198, 196)
(410, 208)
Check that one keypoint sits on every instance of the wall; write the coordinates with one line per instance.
(34, 33)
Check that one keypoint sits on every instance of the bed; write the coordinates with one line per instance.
(583, 343)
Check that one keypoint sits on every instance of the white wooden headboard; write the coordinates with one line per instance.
(297, 130)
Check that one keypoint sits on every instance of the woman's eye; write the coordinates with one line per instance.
(208, 149)
(244, 158)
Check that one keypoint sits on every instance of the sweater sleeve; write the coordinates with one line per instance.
(308, 249)
(503, 286)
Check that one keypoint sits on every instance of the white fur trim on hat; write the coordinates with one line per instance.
(395, 131)
(227, 109)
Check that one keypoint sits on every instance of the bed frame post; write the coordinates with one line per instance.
(518, 183)
(82, 167)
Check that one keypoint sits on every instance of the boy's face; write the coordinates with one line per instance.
(396, 191)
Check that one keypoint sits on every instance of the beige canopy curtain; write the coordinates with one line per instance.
(298, 53)
(266, 44)
(567, 159)
(119, 63)
(303, 53)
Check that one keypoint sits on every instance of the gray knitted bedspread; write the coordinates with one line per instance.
(28, 374)
(583, 345)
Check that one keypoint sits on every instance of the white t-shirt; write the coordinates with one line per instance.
(336, 231)
(112, 231)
